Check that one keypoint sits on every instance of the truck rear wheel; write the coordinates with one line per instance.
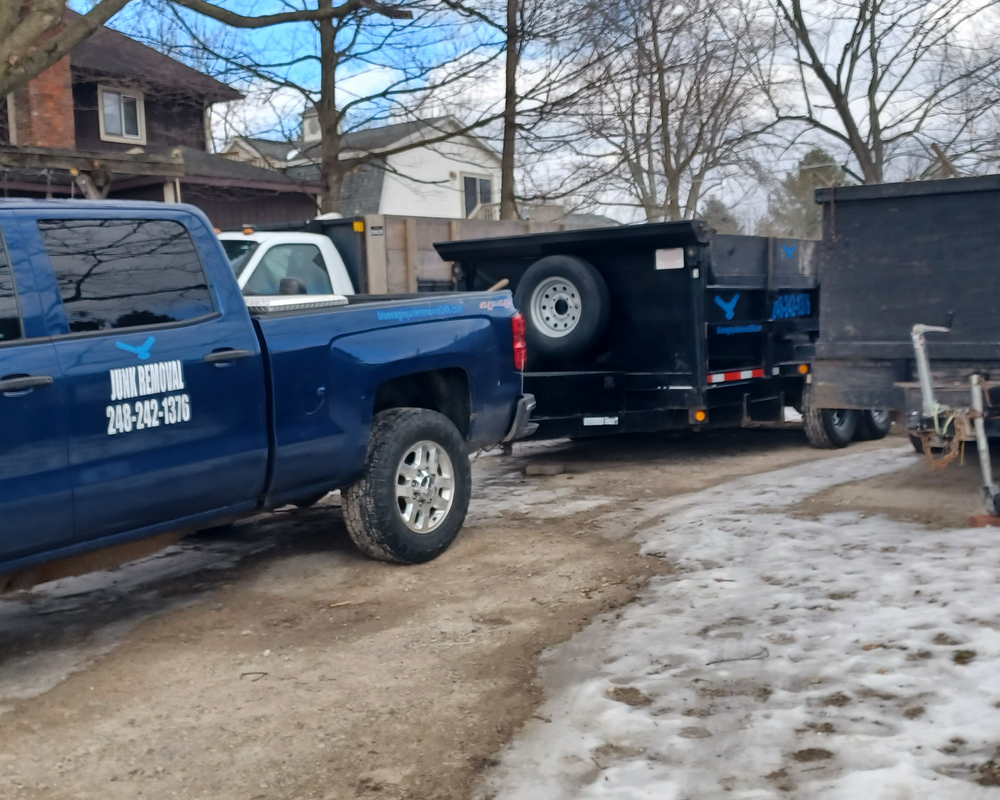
(566, 304)
(873, 424)
(828, 428)
(411, 501)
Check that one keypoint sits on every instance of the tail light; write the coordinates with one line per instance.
(517, 327)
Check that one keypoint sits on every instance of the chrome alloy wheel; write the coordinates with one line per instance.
(555, 307)
(425, 486)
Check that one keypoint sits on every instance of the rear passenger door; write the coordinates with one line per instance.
(35, 495)
(165, 393)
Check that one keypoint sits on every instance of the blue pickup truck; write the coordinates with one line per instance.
(140, 394)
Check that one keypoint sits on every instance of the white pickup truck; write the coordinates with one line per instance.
(271, 263)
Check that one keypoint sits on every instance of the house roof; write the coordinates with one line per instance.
(385, 137)
(268, 148)
(198, 164)
(585, 220)
(361, 191)
(111, 53)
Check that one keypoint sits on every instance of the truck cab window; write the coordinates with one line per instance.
(122, 273)
(304, 262)
(10, 319)
(239, 253)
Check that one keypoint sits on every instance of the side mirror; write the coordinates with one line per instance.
(292, 286)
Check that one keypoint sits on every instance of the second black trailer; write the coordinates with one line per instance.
(661, 326)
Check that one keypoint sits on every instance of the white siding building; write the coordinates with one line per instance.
(422, 168)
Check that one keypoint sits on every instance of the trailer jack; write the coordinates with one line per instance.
(929, 427)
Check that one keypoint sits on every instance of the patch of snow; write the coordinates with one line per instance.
(791, 415)
(839, 658)
(500, 491)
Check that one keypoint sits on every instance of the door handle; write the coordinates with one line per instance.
(22, 384)
(225, 356)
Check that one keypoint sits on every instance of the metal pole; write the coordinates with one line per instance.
(990, 489)
(924, 366)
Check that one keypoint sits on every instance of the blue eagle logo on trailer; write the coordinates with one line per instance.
(728, 307)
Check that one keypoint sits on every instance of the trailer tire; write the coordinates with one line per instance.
(566, 305)
(827, 428)
(384, 524)
(873, 424)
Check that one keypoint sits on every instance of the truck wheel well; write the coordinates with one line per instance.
(443, 390)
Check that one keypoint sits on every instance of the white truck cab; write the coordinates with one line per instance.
(308, 263)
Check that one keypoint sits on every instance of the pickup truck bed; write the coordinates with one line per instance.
(139, 395)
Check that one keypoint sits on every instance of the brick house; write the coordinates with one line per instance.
(117, 119)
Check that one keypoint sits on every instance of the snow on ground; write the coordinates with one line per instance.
(500, 491)
(845, 658)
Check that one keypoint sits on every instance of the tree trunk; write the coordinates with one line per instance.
(331, 170)
(508, 197)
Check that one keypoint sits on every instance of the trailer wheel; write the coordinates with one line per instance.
(411, 501)
(873, 424)
(827, 428)
(566, 304)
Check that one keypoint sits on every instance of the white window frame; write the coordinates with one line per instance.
(479, 176)
(141, 109)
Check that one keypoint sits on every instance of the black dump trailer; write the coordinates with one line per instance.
(910, 319)
(654, 327)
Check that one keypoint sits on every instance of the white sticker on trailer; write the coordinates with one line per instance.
(590, 422)
(670, 259)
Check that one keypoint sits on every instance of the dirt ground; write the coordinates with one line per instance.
(939, 498)
(276, 662)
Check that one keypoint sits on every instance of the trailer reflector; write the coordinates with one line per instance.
(739, 375)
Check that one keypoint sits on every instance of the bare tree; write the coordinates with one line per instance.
(33, 36)
(357, 71)
(550, 48)
(880, 75)
(677, 111)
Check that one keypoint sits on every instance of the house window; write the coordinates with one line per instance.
(311, 129)
(122, 116)
(478, 192)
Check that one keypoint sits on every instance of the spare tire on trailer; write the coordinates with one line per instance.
(566, 305)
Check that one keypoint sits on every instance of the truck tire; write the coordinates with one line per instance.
(566, 305)
(411, 501)
(873, 424)
(827, 428)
